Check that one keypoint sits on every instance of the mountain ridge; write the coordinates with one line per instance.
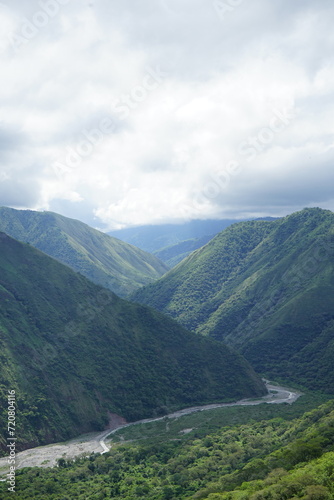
(173, 242)
(105, 260)
(266, 289)
(74, 352)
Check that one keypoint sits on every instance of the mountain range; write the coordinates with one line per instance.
(153, 238)
(266, 288)
(171, 243)
(75, 353)
(259, 295)
(107, 261)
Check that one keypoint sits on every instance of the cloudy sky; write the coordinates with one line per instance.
(122, 113)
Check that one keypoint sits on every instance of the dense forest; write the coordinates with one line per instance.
(260, 460)
(74, 352)
(267, 289)
(107, 261)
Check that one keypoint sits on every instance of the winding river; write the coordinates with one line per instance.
(47, 456)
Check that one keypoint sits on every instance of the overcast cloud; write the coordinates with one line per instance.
(125, 113)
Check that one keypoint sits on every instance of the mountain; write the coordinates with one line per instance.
(75, 353)
(105, 260)
(155, 238)
(173, 254)
(171, 243)
(267, 289)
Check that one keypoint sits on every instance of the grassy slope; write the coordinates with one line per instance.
(74, 351)
(267, 289)
(105, 260)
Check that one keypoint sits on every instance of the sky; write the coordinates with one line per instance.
(123, 113)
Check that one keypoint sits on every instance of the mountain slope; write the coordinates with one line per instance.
(186, 291)
(157, 237)
(267, 289)
(75, 352)
(105, 260)
(173, 242)
(173, 254)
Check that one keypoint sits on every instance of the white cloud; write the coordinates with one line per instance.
(134, 111)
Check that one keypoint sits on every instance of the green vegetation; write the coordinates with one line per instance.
(106, 261)
(74, 352)
(266, 288)
(173, 254)
(186, 291)
(264, 460)
(154, 238)
(202, 423)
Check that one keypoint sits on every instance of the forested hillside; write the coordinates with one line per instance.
(267, 289)
(267, 460)
(154, 238)
(75, 352)
(171, 243)
(173, 254)
(107, 261)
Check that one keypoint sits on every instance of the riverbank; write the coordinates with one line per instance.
(47, 456)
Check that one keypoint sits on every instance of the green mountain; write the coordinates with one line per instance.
(75, 353)
(272, 459)
(154, 238)
(171, 243)
(267, 289)
(104, 260)
(173, 254)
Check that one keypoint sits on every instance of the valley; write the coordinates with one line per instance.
(107, 261)
(266, 288)
(166, 250)
(75, 352)
(166, 396)
(272, 446)
(47, 456)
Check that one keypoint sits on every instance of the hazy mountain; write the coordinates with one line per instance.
(171, 243)
(173, 254)
(155, 238)
(74, 352)
(105, 260)
(266, 288)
